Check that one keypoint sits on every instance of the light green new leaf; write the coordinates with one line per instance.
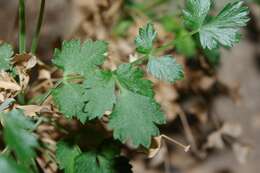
(222, 29)
(103, 161)
(75, 58)
(165, 68)
(66, 155)
(7, 165)
(135, 117)
(6, 53)
(99, 94)
(18, 137)
(132, 78)
(196, 12)
(69, 99)
(144, 41)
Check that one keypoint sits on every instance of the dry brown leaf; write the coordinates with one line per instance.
(241, 152)
(44, 74)
(155, 146)
(30, 110)
(232, 129)
(23, 63)
(9, 85)
(215, 140)
(207, 82)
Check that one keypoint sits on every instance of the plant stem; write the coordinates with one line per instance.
(59, 82)
(173, 42)
(140, 60)
(22, 32)
(38, 28)
(161, 49)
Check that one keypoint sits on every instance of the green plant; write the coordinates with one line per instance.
(87, 92)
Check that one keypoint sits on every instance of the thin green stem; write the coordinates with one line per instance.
(172, 43)
(50, 91)
(38, 28)
(22, 32)
(140, 60)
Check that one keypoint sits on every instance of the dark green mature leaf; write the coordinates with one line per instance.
(222, 29)
(7, 165)
(70, 101)
(100, 94)
(165, 68)
(213, 56)
(66, 155)
(144, 41)
(132, 78)
(75, 58)
(135, 117)
(6, 53)
(101, 161)
(18, 137)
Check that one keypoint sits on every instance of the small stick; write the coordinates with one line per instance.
(185, 147)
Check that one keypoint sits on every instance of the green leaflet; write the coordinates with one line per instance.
(6, 53)
(222, 29)
(132, 78)
(144, 41)
(196, 12)
(75, 58)
(66, 155)
(105, 160)
(99, 94)
(18, 137)
(7, 165)
(135, 117)
(70, 101)
(165, 68)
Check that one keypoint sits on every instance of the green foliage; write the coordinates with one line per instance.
(70, 101)
(84, 59)
(196, 12)
(18, 135)
(105, 159)
(165, 68)
(222, 29)
(66, 155)
(121, 28)
(213, 56)
(135, 118)
(144, 41)
(99, 94)
(6, 53)
(7, 165)
(131, 78)
(185, 45)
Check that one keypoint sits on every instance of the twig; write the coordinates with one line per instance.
(188, 131)
(185, 147)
